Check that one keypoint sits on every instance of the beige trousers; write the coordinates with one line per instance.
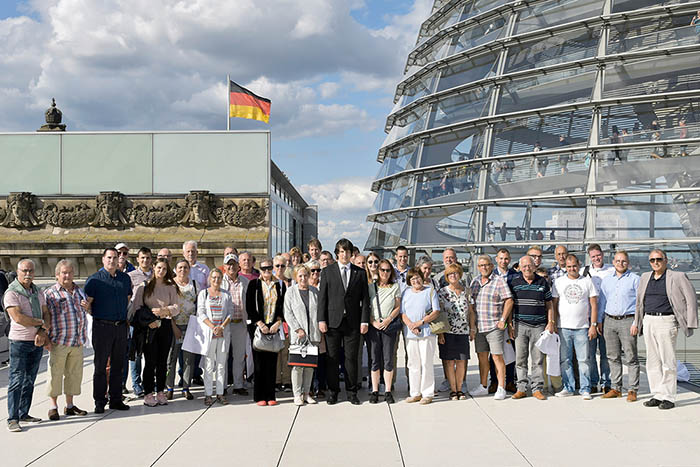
(65, 370)
(660, 333)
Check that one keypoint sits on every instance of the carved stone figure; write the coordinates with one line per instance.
(67, 216)
(248, 214)
(111, 210)
(200, 209)
(157, 216)
(20, 211)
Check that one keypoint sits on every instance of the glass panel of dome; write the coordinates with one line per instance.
(399, 159)
(560, 48)
(549, 131)
(652, 33)
(553, 12)
(541, 175)
(651, 167)
(433, 52)
(653, 76)
(448, 185)
(627, 5)
(460, 108)
(460, 145)
(389, 235)
(409, 124)
(683, 257)
(441, 225)
(394, 194)
(559, 87)
(418, 88)
(467, 71)
(482, 6)
(479, 34)
(459, 226)
(560, 221)
(653, 121)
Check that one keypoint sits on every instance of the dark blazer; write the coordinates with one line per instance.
(255, 302)
(333, 298)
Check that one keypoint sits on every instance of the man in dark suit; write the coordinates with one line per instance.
(343, 314)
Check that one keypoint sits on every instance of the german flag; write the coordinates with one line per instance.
(245, 104)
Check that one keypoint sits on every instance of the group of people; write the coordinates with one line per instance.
(337, 307)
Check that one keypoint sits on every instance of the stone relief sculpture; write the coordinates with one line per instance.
(114, 210)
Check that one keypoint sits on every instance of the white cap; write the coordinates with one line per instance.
(121, 245)
(230, 257)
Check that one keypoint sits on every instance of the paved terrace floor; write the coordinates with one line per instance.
(476, 432)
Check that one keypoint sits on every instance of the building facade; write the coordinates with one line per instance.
(542, 122)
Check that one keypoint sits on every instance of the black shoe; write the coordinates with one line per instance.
(594, 389)
(188, 395)
(388, 398)
(118, 406)
(125, 390)
(652, 403)
(665, 405)
(197, 381)
(332, 398)
(241, 392)
(374, 397)
(279, 388)
(353, 399)
(99, 408)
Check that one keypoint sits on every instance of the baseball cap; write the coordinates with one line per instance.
(121, 245)
(230, 257)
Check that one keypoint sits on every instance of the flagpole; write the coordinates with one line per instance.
(228, 102)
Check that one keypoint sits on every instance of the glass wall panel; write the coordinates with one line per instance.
(560, 48)
(653, 121)
(441, 225)
(539, 175)
(467, 71)
(652, 33)
(560, 87)
(460, 108)
(480, 34)
(546, 131)
(459, 145)
(448, 19)
(459, 225)
(644, 168)
(34, 161)
(399, 159)
(440, 49)
(447, 185)
(627, 5)
(388, 235)
(559, 220)
(482, 6)
(418, 88)
(653, 76)
(407, 124)
(553, 12)
(394, 194)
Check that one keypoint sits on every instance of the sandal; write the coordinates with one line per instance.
(461, 396)
(221, 400)
(454, 396)
(208, 401)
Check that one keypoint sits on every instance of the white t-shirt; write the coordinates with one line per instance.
(574, 306)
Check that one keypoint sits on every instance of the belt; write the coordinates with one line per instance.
(112, 323)
(236, 321)
(658, 314)
(619, 317)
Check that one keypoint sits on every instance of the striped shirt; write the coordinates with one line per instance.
(217, 312)
(489, 299)
(68, 321)
(530, 300)
(555, 272)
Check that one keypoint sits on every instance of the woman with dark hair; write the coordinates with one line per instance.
(161, 296)
(265, 307)
(372, 268)
(385, 323)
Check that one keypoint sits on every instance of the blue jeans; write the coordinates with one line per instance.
(574, 339)
(604, 376)
(134, 368)
(25, 358)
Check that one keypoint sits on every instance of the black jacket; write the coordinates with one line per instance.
(254, 302)
(333, 299)
(142, 333)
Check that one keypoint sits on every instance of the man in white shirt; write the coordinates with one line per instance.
(198, 272)
(598, 270)
(575, 298)
(401, 266)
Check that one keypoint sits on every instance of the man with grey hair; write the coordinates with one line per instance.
(67, 305)
(246, 261)
(166, 254)
(449, 256)
(29, 322)
(198, 272)
(666, 303)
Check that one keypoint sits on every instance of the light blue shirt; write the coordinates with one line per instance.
(416, 306)
(618, 295)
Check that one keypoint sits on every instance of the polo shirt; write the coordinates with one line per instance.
(17, 331)
(655, 297)
(111, 295)
(530, 300)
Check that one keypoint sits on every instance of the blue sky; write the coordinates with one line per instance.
(330, 68)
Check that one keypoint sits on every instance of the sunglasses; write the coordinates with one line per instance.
(266, 268)
(280, 266)
(315, 271)
(123, 253)
(385, 270)
(656, 260)
(372, 262)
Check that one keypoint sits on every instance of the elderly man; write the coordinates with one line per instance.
(533, 314)
(618, 301)
(29, 322)
(237, 286)
(577, 305)
(199, 272)
(109, 293)
(326, 259)
(247, 265)
(449, 256)
(124, 265)
(227, 251)
(166, 254)
(493, 303)
(597, 270)
(559, 269)
(666, 303)
(67, 305)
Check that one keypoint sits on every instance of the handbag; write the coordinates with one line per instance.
(268, 342)
(441, 324)
(396, 323)
(305, 355)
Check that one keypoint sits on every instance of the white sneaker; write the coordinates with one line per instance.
(479, 391)
(500, 394)
(310, 400)
(298, 400)
(586, 396)
(444, 386)
(564, 393)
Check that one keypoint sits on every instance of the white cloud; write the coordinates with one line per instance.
(342, 195)
(329, 89)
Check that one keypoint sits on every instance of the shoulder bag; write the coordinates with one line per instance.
(441, 324)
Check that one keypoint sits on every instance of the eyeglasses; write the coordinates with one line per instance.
(620, 261)
(123, 253)
(27, 271)
(385, 270)
(266, 268)
(535, 256)
(280, 266)
(485, 265)
(315, 271)
(656, 260)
